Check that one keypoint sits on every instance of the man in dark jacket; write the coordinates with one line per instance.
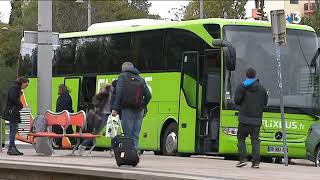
(131, 116)
(252, 98)
(11, 112)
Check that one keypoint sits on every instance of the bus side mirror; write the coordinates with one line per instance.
(229, 53)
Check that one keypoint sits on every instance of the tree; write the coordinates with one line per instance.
(216, 9)
(67, 20)
(177, 13)
(16, 12)
(141, 5)
(313, 21)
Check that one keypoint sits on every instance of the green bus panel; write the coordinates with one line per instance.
(73, 83)
(187, 127)
(296, 125)
(31, 93)
(163, 106)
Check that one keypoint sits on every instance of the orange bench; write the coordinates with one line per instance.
(79, 120)
(65, 119)
(60, 119)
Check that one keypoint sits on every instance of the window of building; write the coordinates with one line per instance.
(294, 1)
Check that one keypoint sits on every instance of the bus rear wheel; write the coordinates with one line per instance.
(170, 140)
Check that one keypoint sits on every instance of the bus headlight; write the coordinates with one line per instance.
(230, 131)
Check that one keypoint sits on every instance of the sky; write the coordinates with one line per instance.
(158, 7)
(5, 8)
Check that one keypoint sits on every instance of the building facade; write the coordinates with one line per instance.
(293, 8)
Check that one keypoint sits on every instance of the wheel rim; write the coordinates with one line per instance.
(171, 143)
(318, 158)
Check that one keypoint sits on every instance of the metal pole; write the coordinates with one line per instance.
(89, 13)
(45, 54)
(201, 9)
(283, 121)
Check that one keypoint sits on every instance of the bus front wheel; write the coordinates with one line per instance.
(170, 140)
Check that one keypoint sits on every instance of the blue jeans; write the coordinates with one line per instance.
(103, 122)
(131, 124)
(13, 131)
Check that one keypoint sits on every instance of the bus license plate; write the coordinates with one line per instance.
(275, 149)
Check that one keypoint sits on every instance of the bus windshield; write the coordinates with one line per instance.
(255, 48)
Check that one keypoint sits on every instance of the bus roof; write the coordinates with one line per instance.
(180, 25)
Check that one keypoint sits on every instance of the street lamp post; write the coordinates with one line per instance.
(88, 8)
(201, 9)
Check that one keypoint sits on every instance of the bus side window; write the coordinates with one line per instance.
(114, 51)
(177, 42)
(63, 60)
(87, 54)
(147, 50)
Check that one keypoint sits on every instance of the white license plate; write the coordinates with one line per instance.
(275, 149)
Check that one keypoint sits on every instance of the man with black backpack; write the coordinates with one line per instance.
(131, 99)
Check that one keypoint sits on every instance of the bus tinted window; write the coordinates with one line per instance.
(28, 61)
(147, 50)
(177, 42)
(88, 55)
(213, 30)
(115, 51)
(63, 60)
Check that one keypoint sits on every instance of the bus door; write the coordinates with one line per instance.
(209, 113)
(188, 102)
(73, 83)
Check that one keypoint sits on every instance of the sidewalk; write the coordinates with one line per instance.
(156, 167)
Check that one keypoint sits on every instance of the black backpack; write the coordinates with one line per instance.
(133, 94)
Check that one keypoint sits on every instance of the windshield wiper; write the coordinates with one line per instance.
(312, 114)
(315, 57)
(301, 110)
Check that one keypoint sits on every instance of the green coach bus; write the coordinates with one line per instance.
(192, 69)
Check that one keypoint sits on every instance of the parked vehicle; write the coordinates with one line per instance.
(313, 144)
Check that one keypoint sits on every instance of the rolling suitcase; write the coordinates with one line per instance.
(124, 151)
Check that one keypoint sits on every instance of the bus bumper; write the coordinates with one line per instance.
(228, 145)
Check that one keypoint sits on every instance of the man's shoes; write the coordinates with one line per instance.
(255, 166)
(13, 151)
(241, 164)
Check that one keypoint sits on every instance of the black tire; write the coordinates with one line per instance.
(170, 140)
(278, 160)
(317, 157)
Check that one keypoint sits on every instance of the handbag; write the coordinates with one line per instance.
(113, 126)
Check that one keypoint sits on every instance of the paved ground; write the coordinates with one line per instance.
(197, 167)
